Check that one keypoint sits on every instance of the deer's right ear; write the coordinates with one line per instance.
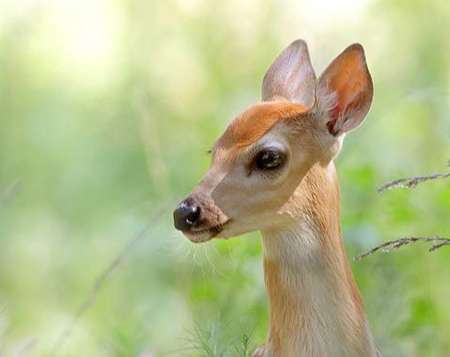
(291, 76)
(345, 91)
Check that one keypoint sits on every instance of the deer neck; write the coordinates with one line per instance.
(315, 305)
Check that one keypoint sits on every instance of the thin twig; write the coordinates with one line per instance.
(437, 242)
(9, 193)
(411, 182)
(98, 284)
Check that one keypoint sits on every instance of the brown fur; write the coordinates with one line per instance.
(315, 306)
(349, 79)
(317, 201)
(256, 121)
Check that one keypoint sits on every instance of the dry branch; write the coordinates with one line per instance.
(99, 282)
(92, 296)
(437, 242)
(411, 182)
(9, 193)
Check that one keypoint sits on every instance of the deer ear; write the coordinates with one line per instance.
(345, 90)
(291, 76)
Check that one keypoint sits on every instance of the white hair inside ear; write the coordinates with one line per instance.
(325, 101)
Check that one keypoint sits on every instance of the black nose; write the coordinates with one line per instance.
(186, 215)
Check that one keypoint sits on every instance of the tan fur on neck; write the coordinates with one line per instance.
(310, 259)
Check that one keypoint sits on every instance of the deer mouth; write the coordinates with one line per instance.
(205, 234)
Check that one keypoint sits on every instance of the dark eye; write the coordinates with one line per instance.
(269, 159)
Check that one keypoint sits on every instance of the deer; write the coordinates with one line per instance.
(272, 170)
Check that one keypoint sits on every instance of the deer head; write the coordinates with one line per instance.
(266, 151)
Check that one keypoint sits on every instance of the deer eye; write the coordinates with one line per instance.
(269, 159)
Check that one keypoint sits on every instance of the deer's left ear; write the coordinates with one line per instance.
(345, 91)
(291, 76)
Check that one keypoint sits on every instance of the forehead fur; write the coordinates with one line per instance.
(256, 121)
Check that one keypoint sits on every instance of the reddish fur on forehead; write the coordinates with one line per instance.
(256, 121)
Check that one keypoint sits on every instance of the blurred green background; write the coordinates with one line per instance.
(107, 111)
